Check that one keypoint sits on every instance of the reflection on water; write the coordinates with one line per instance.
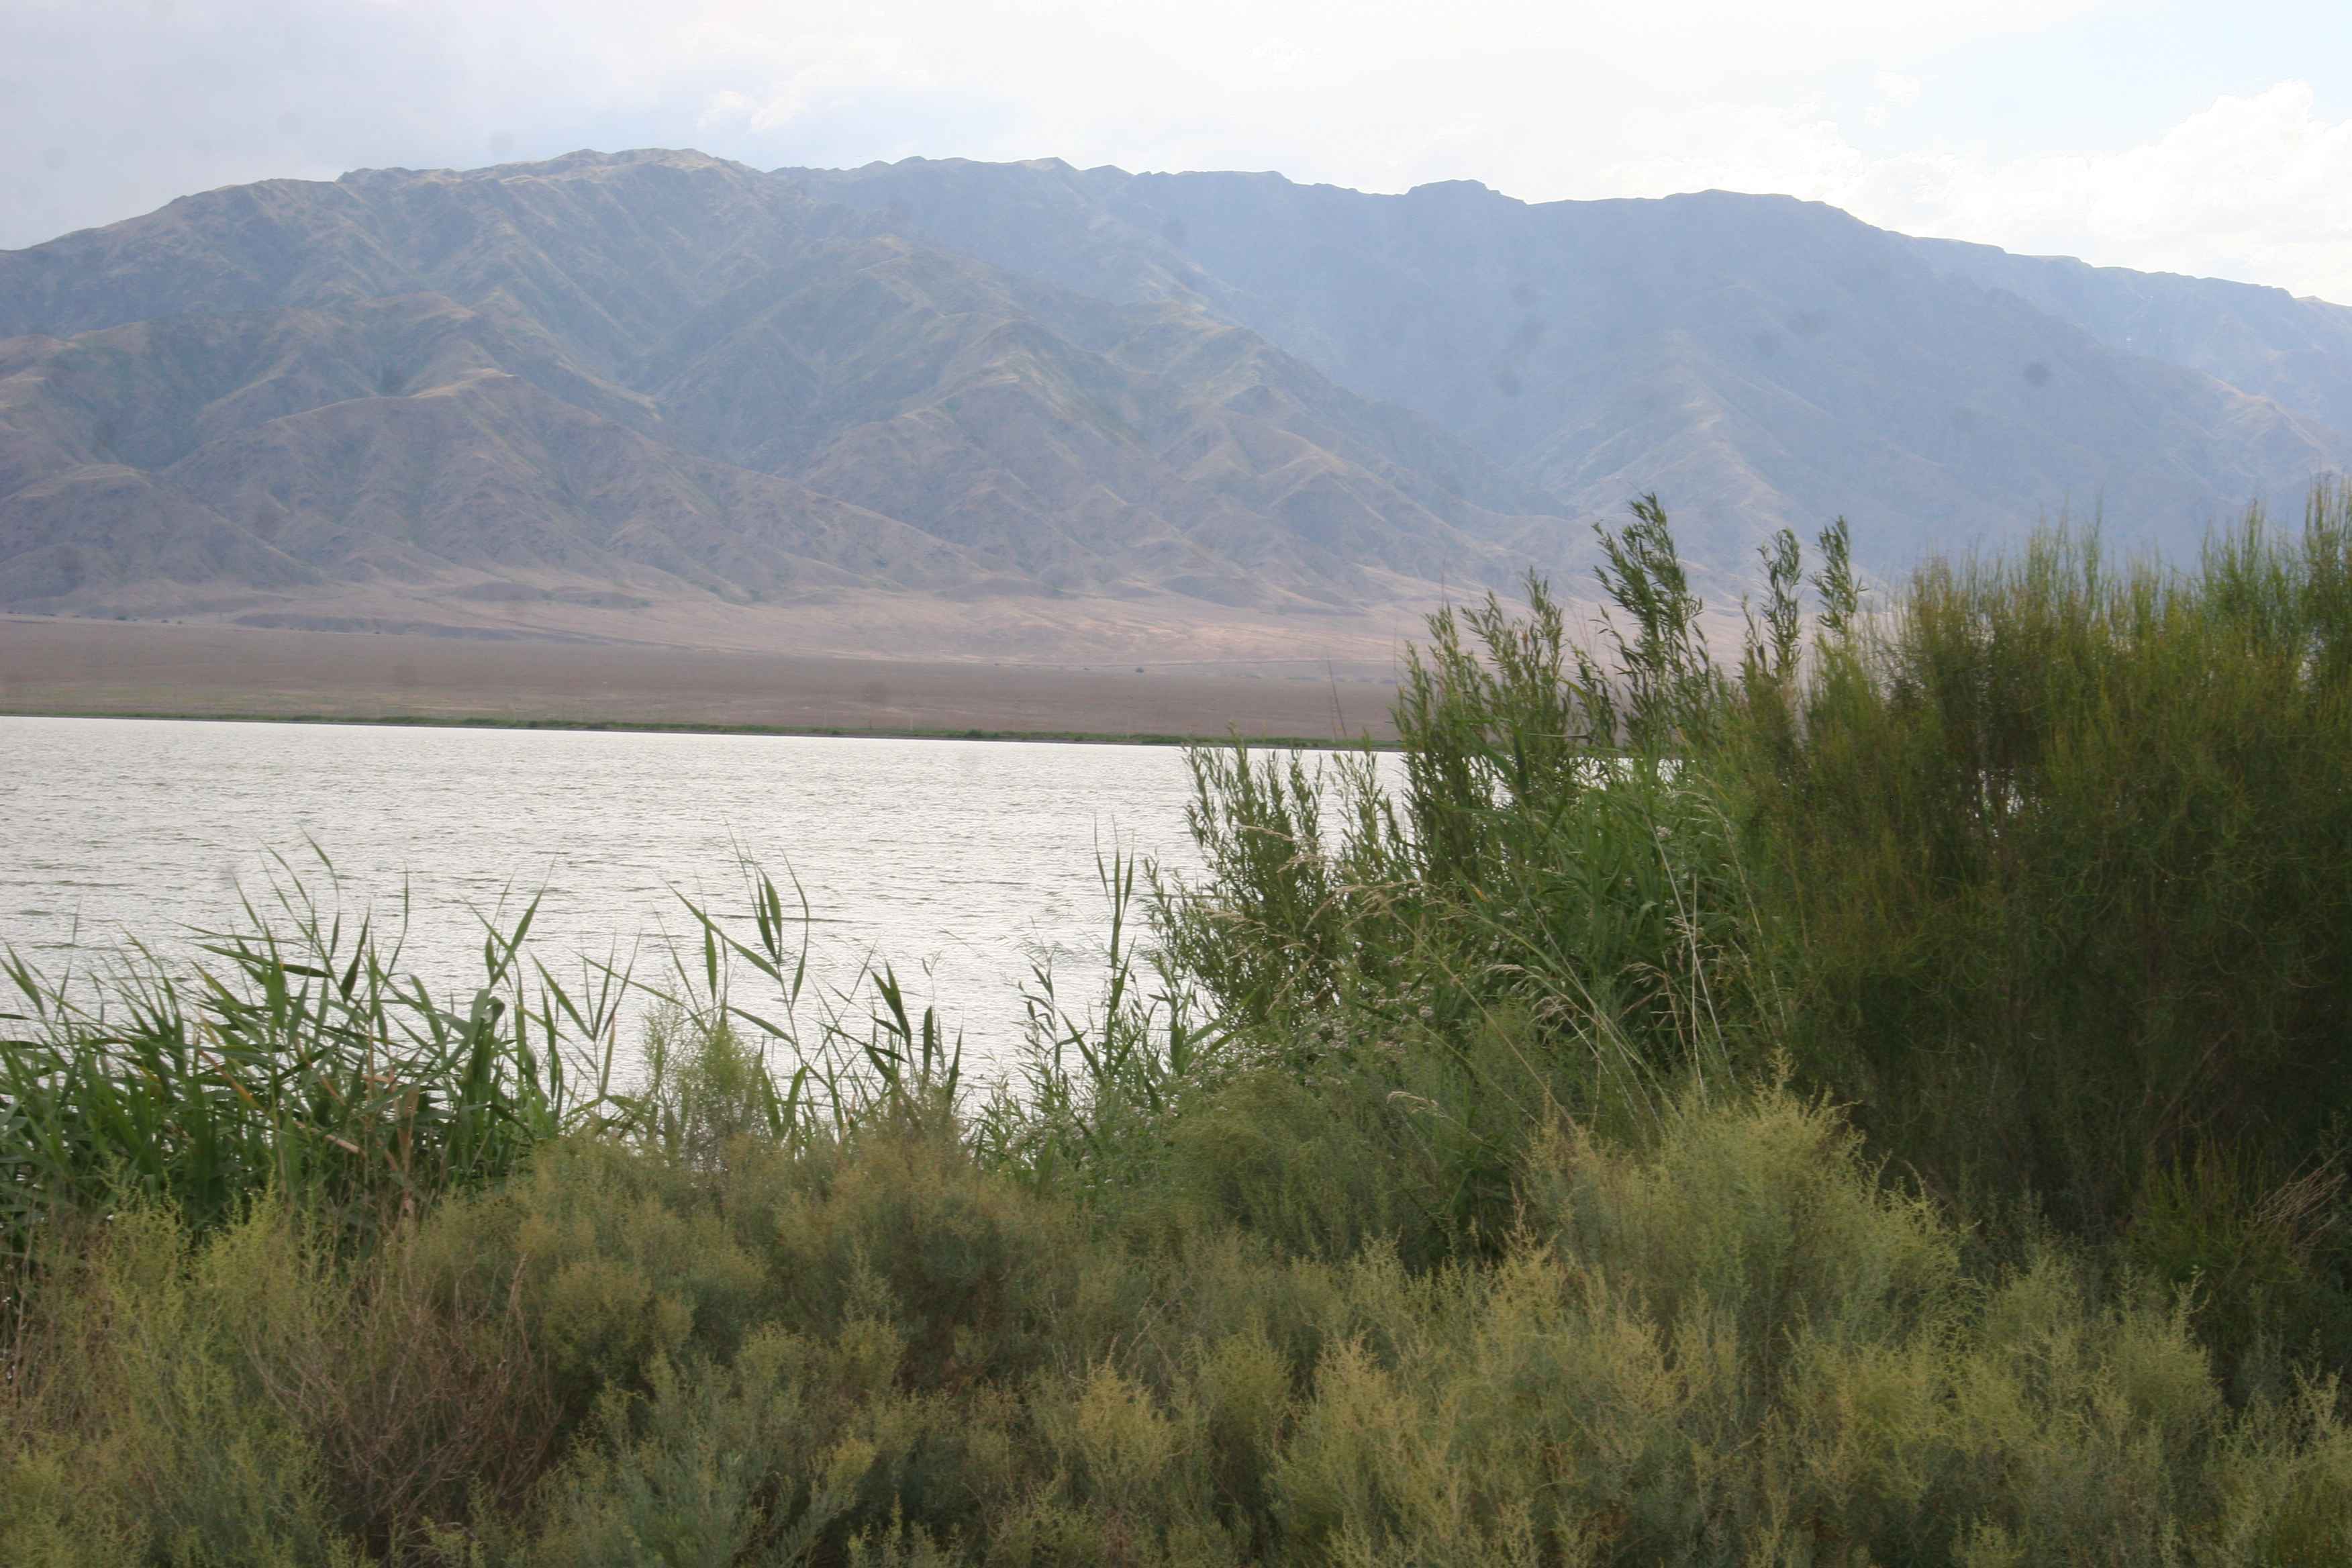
(966, 859)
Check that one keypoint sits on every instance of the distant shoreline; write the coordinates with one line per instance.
(155, 670)
(655, 727)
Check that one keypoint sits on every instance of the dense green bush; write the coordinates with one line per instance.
(1733, 1344)
(2053, 858)
(2057, 857)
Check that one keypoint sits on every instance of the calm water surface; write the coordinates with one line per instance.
(957, 861)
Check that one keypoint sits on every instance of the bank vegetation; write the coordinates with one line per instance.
(1877, 1095)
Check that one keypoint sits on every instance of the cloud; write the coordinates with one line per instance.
(1894, 91)
(2257, 187)
(827, 76)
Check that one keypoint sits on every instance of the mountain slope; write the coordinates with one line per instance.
(2297, 353)
(673, 373)
(1760, 361)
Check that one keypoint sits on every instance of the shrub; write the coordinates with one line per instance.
(2054, 866)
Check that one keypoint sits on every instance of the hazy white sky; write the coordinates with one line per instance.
(2189, 135)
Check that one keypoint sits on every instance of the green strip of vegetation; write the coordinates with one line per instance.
(1879, 1097)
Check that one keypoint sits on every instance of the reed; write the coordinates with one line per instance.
(292, 1056)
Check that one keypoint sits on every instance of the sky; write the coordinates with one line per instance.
(2176, 135)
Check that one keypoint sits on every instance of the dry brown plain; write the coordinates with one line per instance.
(91, 666)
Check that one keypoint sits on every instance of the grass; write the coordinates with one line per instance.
(295, 1058)
(1875, 1101)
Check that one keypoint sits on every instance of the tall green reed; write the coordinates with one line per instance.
(290, 1053)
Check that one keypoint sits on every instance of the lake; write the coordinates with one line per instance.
(959, 862)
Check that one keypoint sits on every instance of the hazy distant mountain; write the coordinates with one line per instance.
(1757, 359)
(672, 374)
(2294, 351)
(655, 376)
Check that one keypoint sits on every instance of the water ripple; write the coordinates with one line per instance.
(961, 857)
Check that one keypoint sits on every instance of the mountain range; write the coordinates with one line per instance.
(941, 405)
